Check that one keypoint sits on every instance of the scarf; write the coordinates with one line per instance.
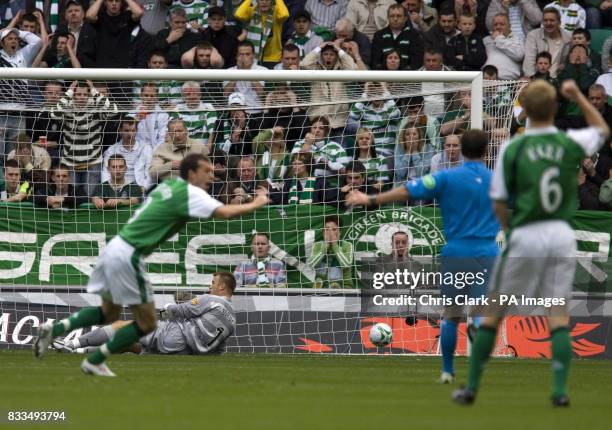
(262, 277)
(259, 30)
(303, 196)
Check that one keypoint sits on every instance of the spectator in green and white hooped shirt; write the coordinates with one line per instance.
(329, 155)
(199, 117)
(300, 187)
(332, 258)
(380, 115)
(377, 169)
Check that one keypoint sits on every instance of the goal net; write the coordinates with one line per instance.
(81, 148)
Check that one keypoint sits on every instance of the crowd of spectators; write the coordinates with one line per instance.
(104, 144)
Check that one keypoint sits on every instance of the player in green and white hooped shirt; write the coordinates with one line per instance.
(537, 172)
(120, 277)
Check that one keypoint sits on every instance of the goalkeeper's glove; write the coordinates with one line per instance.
(165, 313)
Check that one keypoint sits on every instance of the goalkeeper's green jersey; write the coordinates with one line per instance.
(169, 207)
(537, 173)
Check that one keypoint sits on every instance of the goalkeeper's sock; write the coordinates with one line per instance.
(483, 345)
(561, 357)
(95, 337)
(84, 318)
(448, 343)
(123, 338)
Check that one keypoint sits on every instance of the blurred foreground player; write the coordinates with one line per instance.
(470, 229)
(537, 172)
(199, 326)
(120, 276)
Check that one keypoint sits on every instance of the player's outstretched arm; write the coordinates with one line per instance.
(570, 91)
(232, 211)
(397, 194)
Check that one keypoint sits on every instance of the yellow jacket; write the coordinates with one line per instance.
(273, 49)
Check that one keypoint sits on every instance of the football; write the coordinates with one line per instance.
(381, 334)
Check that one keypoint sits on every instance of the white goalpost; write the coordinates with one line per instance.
(47, 252)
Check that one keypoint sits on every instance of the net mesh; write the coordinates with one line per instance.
(309, 143)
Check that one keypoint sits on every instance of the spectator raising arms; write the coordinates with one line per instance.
(83, 111)
(264, 20)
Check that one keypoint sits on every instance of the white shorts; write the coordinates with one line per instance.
(539, 261)
(120, 276)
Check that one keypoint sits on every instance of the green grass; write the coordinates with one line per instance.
(297, 392)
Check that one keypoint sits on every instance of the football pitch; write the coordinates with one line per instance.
(234, 391)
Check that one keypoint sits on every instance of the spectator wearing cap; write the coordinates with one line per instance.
(175, 40)
(129, 148)
(253, 91)
(168, 156)
(235, 131)
(14, 92)
(325, 13)
(223, 37)
(263, 21)
(368, 16)
(219, 160)
(153, 19)
(303, 37)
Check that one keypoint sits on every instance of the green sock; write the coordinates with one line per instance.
(561, 357)
(84, 318)
(123, 338)
(483, 345)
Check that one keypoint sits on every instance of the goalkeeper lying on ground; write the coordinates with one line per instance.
(199, 326)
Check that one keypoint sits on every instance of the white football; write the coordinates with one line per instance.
(381, 334)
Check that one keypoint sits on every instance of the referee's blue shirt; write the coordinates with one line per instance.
(470, 226)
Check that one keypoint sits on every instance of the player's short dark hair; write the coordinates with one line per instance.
(587, 33)
(544, 54)
(474, 144)
(332, 218)
(227, 279)
(11, 163)
(190, 164)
